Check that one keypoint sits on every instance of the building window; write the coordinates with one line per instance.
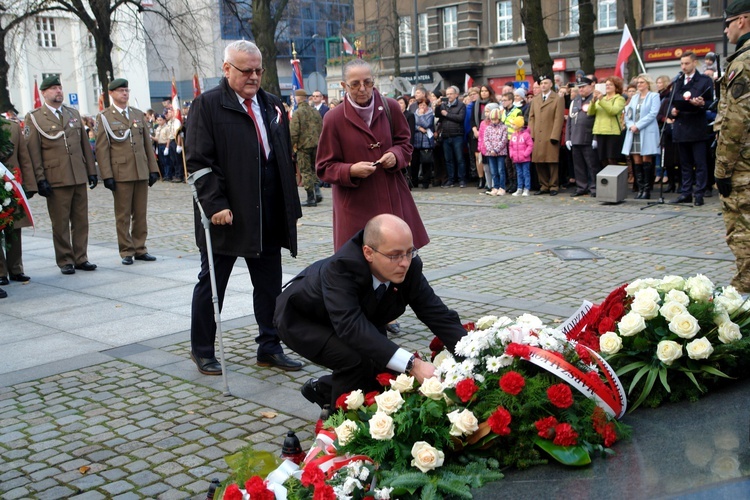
(504, 22)
(697, 8)
(450, 27)
(404, 34)
(424, 34)
(607, 14)
(90, 41)
(573, 14)
(663, 11)
(45, 32)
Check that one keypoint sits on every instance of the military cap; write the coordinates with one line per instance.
(542, 78)
(49, 82)
(300, 93)
(737, 7)
(582, 80)
(117, 83)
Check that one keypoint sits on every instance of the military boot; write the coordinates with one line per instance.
(318, 194)
(310, 199)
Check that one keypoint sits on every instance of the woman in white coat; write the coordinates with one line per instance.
(642, 138)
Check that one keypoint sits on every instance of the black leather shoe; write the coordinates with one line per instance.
(126, 261)
(593, 195)
(393, 328)
(86, 266)
(575, 195)
(553, 193)
(4, 280)
(4, 294)
(683, 198)
(279, 360)
(145, 256)
(541, 192)
(68, 269)
(311, 393)
(207, 366)
(17, 277)
(698, 202)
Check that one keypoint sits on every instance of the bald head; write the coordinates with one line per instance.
(383, 227)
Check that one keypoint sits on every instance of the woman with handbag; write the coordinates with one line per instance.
(423, 141)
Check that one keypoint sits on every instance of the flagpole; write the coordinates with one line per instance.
(635, 49)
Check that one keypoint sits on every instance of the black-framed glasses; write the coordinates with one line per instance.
(248, 71)
(398, 258)
(728, 22)
(356, 85)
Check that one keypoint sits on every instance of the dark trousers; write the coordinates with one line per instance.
(453, 148)
(176, 159)
(586, 165)
(693, 167)
(265, 274)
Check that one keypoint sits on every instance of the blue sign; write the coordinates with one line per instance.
(521, 85)
(73, 98)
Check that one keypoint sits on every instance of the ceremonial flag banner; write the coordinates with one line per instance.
(196, 86)
(468, 82)
(347, 46)
(297, 81)
(37, 98)
(101, 101)
(627, 47)
(176, 101)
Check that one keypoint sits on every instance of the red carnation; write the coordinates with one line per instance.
(584, 354)
(499, 421)
(436, 345)
(606, 325)
(385, 378)
(312, 475)
(341, 401)
(324, 492)
(469, 326)
(560, 395)
(609, 434)
(519, 350)
(512, 383)
(466, 389)
(256, 488)
(617, 311)
(232, 492)
(545, 427)
(565, 435)
(370, 398)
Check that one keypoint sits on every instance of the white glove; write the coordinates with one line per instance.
(594, 144)
(569, 145)
(179, 149)
(165, 152)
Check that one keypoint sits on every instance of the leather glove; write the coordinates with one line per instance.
(724, 186)
(110, 184)
(29, 194)
(93, 181)
(179, 149)
(44, 188)
(554, 142)
(594, 145)
(152, 178)
(569, 145)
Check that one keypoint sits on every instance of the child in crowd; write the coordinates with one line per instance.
(519, 149)
(480, 145)
(496, 149)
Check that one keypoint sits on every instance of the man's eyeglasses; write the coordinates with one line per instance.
(398, 258)
(356, 85)
(728, 22)
(249, 71)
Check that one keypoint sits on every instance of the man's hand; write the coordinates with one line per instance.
(422, 370)
(110, 184)
(44, 189)
(152, 178)
(388, 160)
(697, 101)
(93, 181)
(362, 169)
(222, 218)
(675, 112)
(724, 186)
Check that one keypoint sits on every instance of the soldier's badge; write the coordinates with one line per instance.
(26, 131)
(738, 88)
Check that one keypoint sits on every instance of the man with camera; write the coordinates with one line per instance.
(451, 113)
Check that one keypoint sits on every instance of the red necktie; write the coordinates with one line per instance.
(687, 80)
(249, 104)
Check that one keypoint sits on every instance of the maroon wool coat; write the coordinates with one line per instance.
(346, 140)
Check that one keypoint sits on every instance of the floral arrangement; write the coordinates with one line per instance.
(687, 334)
(10, 209)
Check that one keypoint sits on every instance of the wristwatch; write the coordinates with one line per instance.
(409, 365)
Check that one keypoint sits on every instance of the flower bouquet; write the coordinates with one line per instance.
(672, 338)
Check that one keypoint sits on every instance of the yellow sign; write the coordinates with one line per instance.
(519, 63)
(520, 75)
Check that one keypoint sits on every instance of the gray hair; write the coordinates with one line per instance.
(242, 46)
(356, 63)
(455, 89)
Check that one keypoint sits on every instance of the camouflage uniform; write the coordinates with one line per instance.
(733, 159)
(305, 128)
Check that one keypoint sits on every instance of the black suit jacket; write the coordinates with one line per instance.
(323, 110)
(335, 296)
(691, 124)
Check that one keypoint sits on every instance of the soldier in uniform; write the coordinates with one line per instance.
(63, 162)
(305, 127)
(733, 148)
(580, 139)
(128, 167)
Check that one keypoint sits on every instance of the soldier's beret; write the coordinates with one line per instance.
(300, 93)
(542, 78)
(737, 7)
(49, 82)
(117, 83)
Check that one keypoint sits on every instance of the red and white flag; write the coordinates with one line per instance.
(627, 47)
(176, 101)
(468, 82)
(7, 176)
(37, 98)
(347, 46)
(196, 86)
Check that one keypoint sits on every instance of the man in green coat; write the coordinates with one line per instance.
(305, 128)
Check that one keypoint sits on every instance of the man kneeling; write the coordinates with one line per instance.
(334, 312)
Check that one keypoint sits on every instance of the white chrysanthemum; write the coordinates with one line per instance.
(451, 379)
(462, 346)
(8, 186)
(531, 340)
(530, 320)
(485, 322)
(504, 336)
(493, 364)
(467, 366)
(441, 358)
(6, 202)
(383, 493)
(502, 321)
(549, 343)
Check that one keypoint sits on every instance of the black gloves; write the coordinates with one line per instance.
(44, 188)
(93, 181)
(724, 186)
(110, 184)
(152, 178)
(554, 142)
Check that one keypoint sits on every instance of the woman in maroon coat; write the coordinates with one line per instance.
(363, 153)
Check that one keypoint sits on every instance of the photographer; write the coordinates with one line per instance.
(451, 113)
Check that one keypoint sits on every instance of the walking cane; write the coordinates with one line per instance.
(212, 273)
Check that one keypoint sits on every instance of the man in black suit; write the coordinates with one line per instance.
(334, 312)
(318, 103)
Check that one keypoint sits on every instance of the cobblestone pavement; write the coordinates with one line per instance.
(137, 420)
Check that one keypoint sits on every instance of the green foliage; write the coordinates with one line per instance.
(248, 462)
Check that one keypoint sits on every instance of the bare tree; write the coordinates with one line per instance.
(536, 38)
(586, 20)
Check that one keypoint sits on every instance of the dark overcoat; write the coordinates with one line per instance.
(221, 136)
(691, 124)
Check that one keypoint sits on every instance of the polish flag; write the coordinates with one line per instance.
(196, 86)
(347, 46)
(468, 82)
(176, 101)
(627, 47)
(37, 98)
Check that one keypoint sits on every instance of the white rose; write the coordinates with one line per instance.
(8, 186)
(443, 357)
(667, 351)
(403, 383)
(672, 309)
(684, 325)
(355, 399)
(381, 426)
(699, 287)
(726, 465)
(610, 343)
(432, 388)
(647, 294)
(630, 324)
(389, 402)
(6, 202)
(720, 317)
(462, 423)
(699, 348)
(346, 431)
(671, 283)
(641, 284)
(645, 307)
(426, 457)
(485, 322)
(730, 299)
(729, 332)
(677, 296)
